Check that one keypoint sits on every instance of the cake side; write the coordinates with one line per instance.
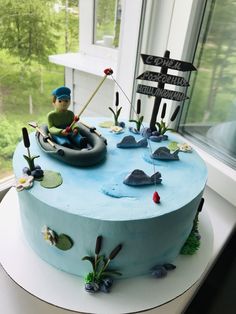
(146, 242)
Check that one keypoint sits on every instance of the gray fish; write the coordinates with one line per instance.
(164, 153)
(138, 177)
(130, 142)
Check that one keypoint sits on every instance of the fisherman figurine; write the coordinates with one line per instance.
(60, 119)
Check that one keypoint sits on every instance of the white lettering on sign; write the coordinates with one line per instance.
(161, 62)
(159, 92)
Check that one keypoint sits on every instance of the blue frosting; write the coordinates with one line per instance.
(94, 201)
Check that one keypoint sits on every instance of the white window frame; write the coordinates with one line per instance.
(86, 33)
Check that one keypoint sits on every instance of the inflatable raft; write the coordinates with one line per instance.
(90, 156)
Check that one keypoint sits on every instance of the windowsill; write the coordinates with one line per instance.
(84, 62)
(221, 178)
(5, 185)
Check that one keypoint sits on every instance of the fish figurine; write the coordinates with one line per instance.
(163, 153)
(130, 142)
(138, 177)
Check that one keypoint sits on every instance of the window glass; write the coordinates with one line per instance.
(107, 18)
(29, 32)
(211, 115)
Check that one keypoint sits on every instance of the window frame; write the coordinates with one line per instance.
(221, 177)
(86, 33)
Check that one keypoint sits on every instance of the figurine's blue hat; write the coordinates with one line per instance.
(62, 92)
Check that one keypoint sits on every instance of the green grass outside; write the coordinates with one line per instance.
(16, 87)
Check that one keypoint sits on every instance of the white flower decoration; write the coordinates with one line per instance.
(49, 235)
(24, 183)
(185, 147)
(117, 129)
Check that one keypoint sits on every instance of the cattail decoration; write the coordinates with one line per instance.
(117, 99)
(25, 137)
(200, 205)
(26, 142)
(98, 245)
(138, 106)
(174, 115)
(115, 252)
(163, 113)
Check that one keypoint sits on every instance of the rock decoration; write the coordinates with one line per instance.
(138, 178)
(62, 241)
(130, 142)
(161, 271)
(163, 153)
(24, 183)
(162, 127)
(154, 136)
(100, 279)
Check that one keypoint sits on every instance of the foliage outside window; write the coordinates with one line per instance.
(30, 30)
(211, 115)
(107, 18)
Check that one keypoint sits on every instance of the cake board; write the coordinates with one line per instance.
(131, 295)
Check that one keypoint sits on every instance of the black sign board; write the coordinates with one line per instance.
(162, 93)
(168, 63)
(163, 78)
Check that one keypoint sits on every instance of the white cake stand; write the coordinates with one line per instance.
(67, 291)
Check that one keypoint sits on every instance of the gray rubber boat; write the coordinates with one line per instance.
(94, 154)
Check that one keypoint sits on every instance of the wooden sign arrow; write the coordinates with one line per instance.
(163, 78)
(168, 63)
(161, 93)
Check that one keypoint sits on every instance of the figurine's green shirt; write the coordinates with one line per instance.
(59, 120)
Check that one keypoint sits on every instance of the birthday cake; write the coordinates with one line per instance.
(99, 211)
(110, 199)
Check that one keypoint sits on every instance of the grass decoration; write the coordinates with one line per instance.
(139, 120)
(192, 243)
(117, 111)
(97, 279)
(162, 126)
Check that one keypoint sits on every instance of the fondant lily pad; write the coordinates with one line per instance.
(106, 124)
(64, 242)
(51, 179)
(173, 146)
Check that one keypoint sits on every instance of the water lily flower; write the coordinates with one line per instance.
(24, 183)
(49, 235)
(184, 147)
(117, 129)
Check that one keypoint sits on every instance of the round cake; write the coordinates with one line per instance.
(94, 201)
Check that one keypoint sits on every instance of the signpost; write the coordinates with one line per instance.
(163, 78)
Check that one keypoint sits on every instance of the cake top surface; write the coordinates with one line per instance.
(87, 191)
